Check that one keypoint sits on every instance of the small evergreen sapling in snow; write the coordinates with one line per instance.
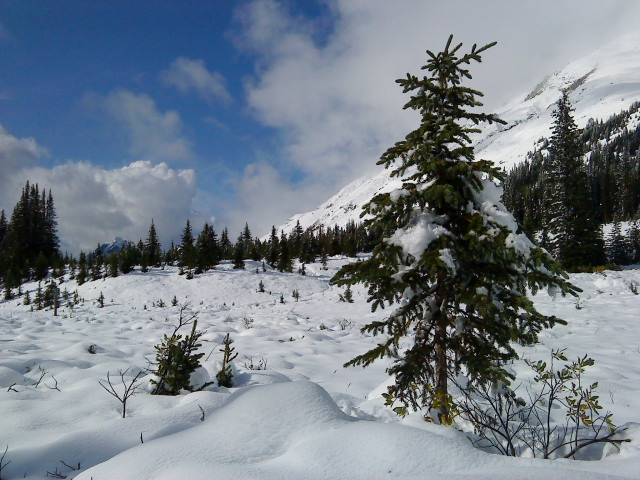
(225, 375)
(176, 357)
(348, 295)
(453, 260)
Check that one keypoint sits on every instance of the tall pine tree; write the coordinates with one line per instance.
(575, 236)
(152, 248)
(453, 261)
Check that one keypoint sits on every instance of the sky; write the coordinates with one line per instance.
(241, 111)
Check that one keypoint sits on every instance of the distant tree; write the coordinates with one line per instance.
(255, 250)
(238, 254)
(208, 248)
(113, 265)
(3, 227)
(454, 262)
(617, 245)
(152, 247)
(274, 248)
(285, 262)
(225, 244)
(32, 231)
(81, 276)
(187, 248)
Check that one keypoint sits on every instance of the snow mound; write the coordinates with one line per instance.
(295, 430)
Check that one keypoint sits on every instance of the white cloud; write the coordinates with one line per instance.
(94, 204)
(192, 75)
(152, 134)
(17, 153)
(261, 192)
(333, 95)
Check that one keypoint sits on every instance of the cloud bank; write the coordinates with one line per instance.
(95, 204)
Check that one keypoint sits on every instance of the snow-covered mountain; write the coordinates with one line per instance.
(601, 84)
(112, 247)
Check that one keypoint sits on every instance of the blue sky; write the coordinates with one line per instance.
(233, 111)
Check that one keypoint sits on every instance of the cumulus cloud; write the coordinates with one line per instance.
(189, 75)
(95, 204)
(152, 134)
(332, 94)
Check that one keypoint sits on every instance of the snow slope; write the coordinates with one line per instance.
(304, 416)
(602, 83)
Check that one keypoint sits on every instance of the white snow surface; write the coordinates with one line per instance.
(305, 416)
(601, 84)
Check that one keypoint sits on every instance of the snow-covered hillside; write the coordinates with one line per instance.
(601, 84)
(304, 416)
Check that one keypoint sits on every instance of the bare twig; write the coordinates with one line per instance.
(55, 387)
(43, 372)
(11, 389)
(129, 390)
(3, 464)
(56, 474)
(75, 469)
(202, 417)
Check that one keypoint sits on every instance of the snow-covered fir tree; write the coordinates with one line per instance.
(453, 260)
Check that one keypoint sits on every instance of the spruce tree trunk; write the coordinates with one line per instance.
(440, 340)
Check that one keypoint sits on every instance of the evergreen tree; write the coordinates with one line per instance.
(617, 245)
(575, 234)
(113, 265)
(3, 227)
(285, 262)
(187, 248)
(208, 248)
(81, 277)
(152, 248)
(454, 263)
(30, 234)
(238, 254)
(225, 244)
(274, 248)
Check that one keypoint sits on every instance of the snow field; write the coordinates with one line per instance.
(303, 417)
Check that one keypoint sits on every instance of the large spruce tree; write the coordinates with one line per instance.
(575, 235)
(453, 261)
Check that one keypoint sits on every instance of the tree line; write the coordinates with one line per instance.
(29, 244)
